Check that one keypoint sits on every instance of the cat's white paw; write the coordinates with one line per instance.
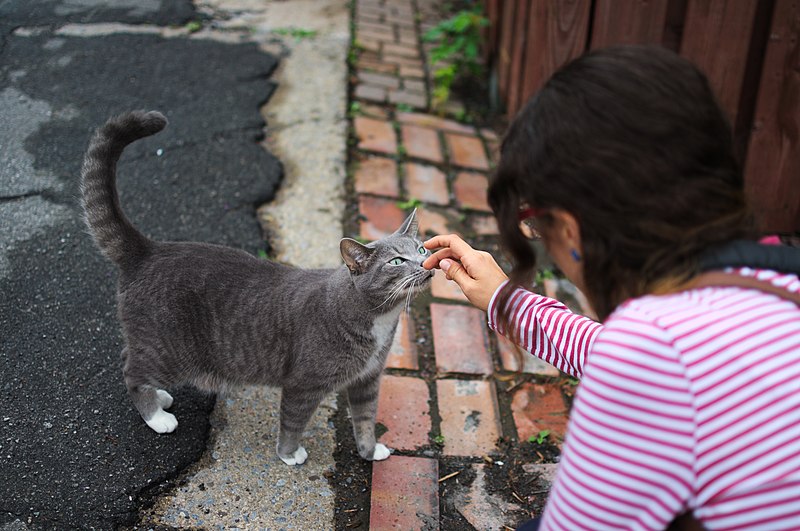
(163, 422)
(298, 457)
(380, 452)
(164, 399)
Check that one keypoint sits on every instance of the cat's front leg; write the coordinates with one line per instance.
(363, 399)
(297, 406)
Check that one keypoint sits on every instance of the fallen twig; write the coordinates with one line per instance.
(448, 476)
(520, 382)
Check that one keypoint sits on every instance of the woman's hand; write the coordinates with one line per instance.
(476, 272)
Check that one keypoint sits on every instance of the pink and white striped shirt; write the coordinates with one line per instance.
(687, 401)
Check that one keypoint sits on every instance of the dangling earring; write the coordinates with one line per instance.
(574, 254)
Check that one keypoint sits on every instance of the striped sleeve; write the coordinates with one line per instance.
(627, 458)
(547, 329)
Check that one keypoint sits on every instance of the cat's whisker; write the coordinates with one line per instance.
(396, 290)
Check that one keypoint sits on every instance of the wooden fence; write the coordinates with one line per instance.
(749, 50)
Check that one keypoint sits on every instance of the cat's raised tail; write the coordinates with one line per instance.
(117, 238)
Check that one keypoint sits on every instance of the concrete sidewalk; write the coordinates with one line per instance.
(240, 483)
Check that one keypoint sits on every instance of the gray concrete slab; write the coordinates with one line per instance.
(240, 483)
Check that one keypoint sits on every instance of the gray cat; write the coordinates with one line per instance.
(213, 317)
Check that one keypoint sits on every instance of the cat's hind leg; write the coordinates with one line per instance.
(297, 406)
(363, 399)
(148, 400)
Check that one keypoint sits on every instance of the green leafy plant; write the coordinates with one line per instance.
(408, 205)
(542, 275)
(262, 254)
(439, 439)
(540, 437)
(297, 33)
(404, 107)
(194, 26)
(355, 109)
(457, 47)
(355, 50)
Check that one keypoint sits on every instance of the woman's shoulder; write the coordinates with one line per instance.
(706, 312)
(709, 298)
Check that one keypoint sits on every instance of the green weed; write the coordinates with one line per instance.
(458, 45)
(194, 26)
(540, 437)
(298, 33)
(408, 205)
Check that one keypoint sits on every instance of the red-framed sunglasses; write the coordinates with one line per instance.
(527, 224)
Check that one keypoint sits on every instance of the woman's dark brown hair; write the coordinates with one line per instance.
(630, 141)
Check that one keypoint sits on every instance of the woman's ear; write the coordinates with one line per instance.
(566, 228)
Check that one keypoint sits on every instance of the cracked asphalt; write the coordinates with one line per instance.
(73, 452)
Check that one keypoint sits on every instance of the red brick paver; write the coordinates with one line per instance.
(377, 175)
(446, 289)
(383, 217)
(435, 122)
(375, 135)
(466, 151)
(485, 226)
(470, 418)
(531, 364)
(405, 494)
(539, 407)
(380, 80)
(426, 183)
(403, 409)
(470, 190)
(376, 65)
(459, 339)
(403, 352)
(370, 93)
(408, 97)
(432, 222)
(486, 510)
(421, 142)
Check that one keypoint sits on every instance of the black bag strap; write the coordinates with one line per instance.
(746, 253)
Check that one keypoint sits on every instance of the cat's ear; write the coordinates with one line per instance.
(355, 255)
(409, 226)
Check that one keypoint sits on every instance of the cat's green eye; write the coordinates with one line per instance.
(422, 250)
(396, 261)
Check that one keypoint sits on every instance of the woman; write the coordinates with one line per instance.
(690, 395)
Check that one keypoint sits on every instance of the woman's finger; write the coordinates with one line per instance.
(459, 246)
(433, 260)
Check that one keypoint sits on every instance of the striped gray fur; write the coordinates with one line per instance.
(215, 317)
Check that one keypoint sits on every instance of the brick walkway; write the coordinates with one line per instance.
(454, 413)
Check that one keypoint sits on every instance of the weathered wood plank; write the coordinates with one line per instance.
(716, 37)
(557, 32)
(506, 39)
(772, 170)
(518, 58)
(628, 22)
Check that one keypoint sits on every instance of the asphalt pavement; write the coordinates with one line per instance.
(73, 452)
